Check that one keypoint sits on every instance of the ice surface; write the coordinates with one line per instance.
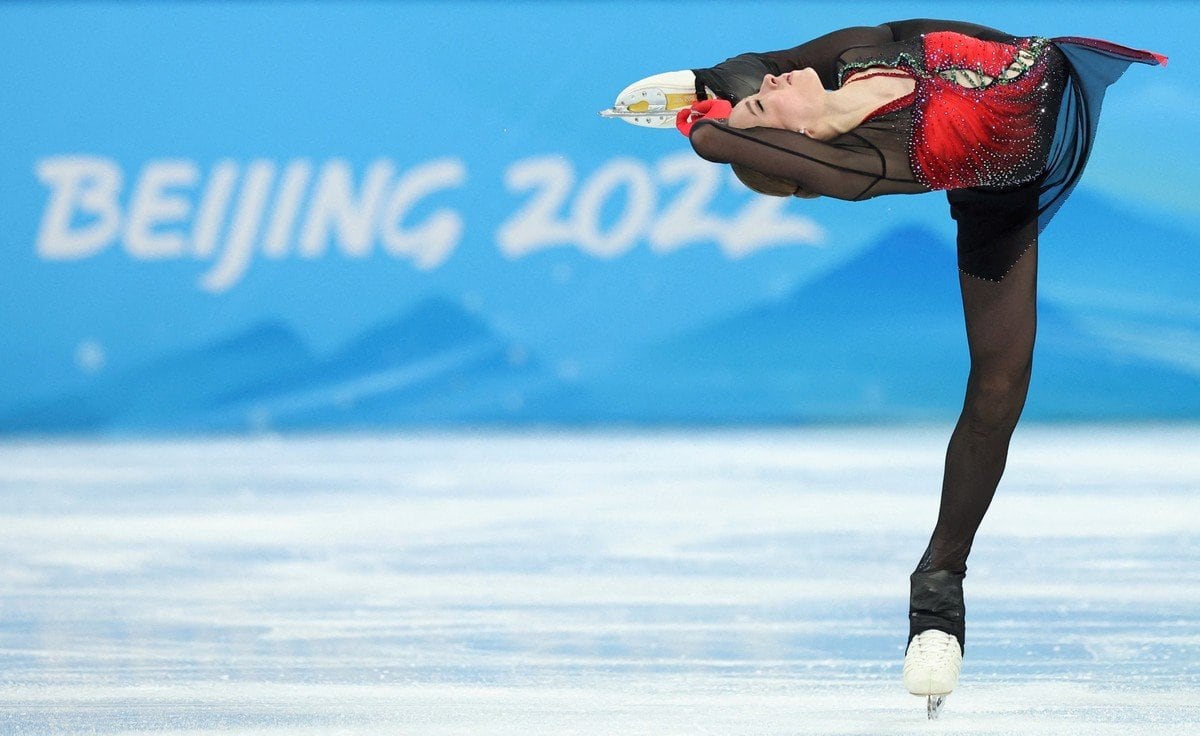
(675, 582)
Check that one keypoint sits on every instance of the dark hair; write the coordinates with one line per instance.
(774, 186)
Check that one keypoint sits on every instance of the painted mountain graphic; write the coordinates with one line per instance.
(1131, 279)
(170, 390)
(880, 337)
(436, 363)
(1110, 250)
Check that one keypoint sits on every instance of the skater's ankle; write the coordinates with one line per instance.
(936, 602)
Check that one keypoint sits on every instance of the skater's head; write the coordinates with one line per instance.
(794, 101)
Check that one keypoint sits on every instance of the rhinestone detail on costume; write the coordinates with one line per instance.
(983, 112)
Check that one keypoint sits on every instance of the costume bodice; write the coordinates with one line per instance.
(982, 113)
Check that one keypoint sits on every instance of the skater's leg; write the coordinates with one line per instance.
(1001, 321)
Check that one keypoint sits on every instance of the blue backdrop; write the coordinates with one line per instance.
(228, 216)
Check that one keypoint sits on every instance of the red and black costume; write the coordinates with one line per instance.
(1004, 124)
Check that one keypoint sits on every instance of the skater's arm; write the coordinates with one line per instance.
(848, 167)
(903, 30)
(741, 75)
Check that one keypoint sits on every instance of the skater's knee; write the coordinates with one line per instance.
(994, 403)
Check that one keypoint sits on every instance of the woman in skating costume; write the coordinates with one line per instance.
(1004, 124)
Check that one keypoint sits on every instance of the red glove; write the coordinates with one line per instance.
(704, 109)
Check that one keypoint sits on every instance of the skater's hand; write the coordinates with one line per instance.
(702, 110)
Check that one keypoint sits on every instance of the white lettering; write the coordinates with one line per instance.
(213, 206)
(235, 211)
(239, 246)
(540, 223)
(550, 218)
(763, 223)
(228, 213)
(154, 205)
(287, 205)
(687, 218)
(79, 185)
(430, 244)
(640, 202)
(333, 208)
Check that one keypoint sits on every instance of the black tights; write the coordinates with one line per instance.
(1001, 320)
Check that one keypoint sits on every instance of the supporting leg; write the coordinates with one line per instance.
(1001, 321)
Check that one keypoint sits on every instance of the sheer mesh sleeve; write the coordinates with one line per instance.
(740, 76)
(903, 30)
(867, 162)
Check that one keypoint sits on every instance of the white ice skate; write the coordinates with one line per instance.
(654, 101)
(931, 667)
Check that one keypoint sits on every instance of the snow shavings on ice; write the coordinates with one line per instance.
(674, 582)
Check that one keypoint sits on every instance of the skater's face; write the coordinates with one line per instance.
(790, 101)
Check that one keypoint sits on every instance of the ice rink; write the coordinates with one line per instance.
(673, 582)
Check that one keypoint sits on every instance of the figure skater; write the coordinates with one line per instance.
(1004, 124)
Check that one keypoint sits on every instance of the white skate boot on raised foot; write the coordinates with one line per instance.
(931, 667)
(654, 101)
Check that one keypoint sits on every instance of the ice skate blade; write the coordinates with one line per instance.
(646, 119)
(933, 706)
